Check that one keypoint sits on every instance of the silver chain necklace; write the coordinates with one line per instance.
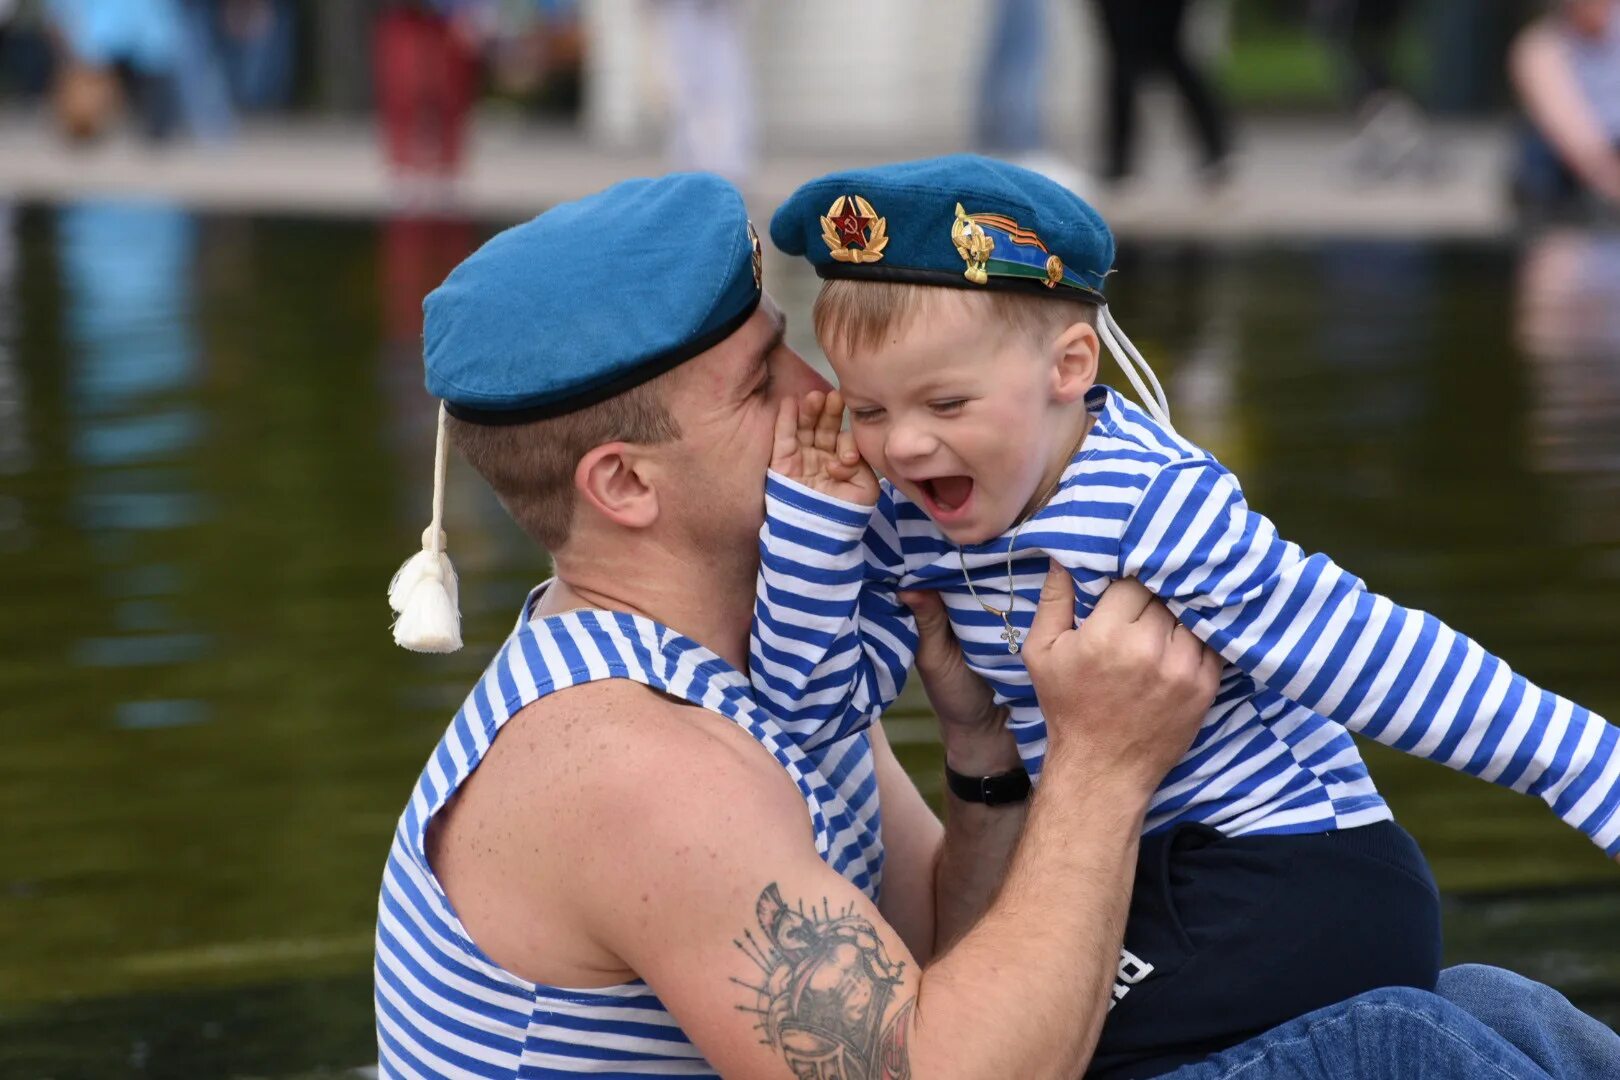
(1010, 633)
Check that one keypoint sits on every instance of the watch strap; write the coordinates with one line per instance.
(997, 790)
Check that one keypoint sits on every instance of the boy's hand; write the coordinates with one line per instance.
(810, 448)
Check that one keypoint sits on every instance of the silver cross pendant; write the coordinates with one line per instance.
(1010, 635)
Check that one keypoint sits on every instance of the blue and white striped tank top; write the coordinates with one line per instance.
(444, 1009)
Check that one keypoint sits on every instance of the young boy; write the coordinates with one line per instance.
(964, 317)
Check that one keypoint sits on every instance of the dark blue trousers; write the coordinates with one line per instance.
(1231, 936)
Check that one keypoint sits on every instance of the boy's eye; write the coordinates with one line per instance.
(865, 416)
(948, 407)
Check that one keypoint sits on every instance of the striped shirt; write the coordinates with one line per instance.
(1311, 654)
(444, 1009)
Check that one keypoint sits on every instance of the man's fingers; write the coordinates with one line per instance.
(1055, 613)
(934, 637)
(929, 611)
(1155, 618)
(1123, 601)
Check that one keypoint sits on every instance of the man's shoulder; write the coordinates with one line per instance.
(589, 798)
(616, 744)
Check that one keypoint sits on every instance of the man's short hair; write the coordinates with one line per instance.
(531, 466)
(853, 315)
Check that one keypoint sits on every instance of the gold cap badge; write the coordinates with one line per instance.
(756, 254)
(973, 244)
(853, 231)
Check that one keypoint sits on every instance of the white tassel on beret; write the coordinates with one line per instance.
(423, 593)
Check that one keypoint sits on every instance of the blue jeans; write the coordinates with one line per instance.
(1481, 1023)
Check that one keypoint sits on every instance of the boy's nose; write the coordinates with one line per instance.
(909, 443)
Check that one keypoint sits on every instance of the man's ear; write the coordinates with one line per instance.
(1075, 354)
(611, 480)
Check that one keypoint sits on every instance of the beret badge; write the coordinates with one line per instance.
(975, 236)
(973, 244)
(756, 256)
(853, 231)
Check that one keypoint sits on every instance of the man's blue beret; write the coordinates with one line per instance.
(962, 221)
(591, 298)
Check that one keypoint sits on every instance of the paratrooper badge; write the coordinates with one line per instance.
(853, 231)
(994, 245)
(973, 244)
(757, 256)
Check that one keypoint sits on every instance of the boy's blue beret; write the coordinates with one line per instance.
(963, 221)
(591, 298)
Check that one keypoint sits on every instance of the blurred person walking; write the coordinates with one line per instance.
(1009, 116)
(202, 89)
(711, 94)
(256, 43)
(1565, 68)
(112, 52)
(1144, 36)
(426, 69)
(1392, 134)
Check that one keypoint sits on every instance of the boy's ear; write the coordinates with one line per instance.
(1075, 354)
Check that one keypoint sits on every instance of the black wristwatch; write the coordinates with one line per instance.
(997, 790)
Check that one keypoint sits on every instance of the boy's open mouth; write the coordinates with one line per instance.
(946, 493)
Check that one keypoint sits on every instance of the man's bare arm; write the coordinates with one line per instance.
(978, 840)
(768, 959)
(937, 881)
(765, 955)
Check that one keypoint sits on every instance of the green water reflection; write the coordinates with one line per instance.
(214, 449)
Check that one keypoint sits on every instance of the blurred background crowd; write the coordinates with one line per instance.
(1370, 245)
(725, 84)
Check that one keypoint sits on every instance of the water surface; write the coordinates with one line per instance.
(214, 450)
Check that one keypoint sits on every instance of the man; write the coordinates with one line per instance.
(616, 863)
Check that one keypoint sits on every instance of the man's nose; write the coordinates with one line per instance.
(797, 378)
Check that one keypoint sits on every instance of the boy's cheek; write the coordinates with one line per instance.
(870, 447)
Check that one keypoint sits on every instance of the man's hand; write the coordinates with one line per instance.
(810, 448)
(971, 725)
(1126, 691)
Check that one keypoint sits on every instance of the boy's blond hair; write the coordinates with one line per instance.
(854, 315)
(531, 466)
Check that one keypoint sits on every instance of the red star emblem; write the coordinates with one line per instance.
(851, 225)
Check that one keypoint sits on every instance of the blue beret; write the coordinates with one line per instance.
(963, 221)
(591, 298)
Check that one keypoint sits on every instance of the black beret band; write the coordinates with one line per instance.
(646, 371)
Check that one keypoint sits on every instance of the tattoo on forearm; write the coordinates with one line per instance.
(828, 995)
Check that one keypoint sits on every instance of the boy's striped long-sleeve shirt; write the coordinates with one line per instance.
(1311, 654)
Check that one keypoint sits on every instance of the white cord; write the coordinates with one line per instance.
(441, 458)
(1130, 361)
